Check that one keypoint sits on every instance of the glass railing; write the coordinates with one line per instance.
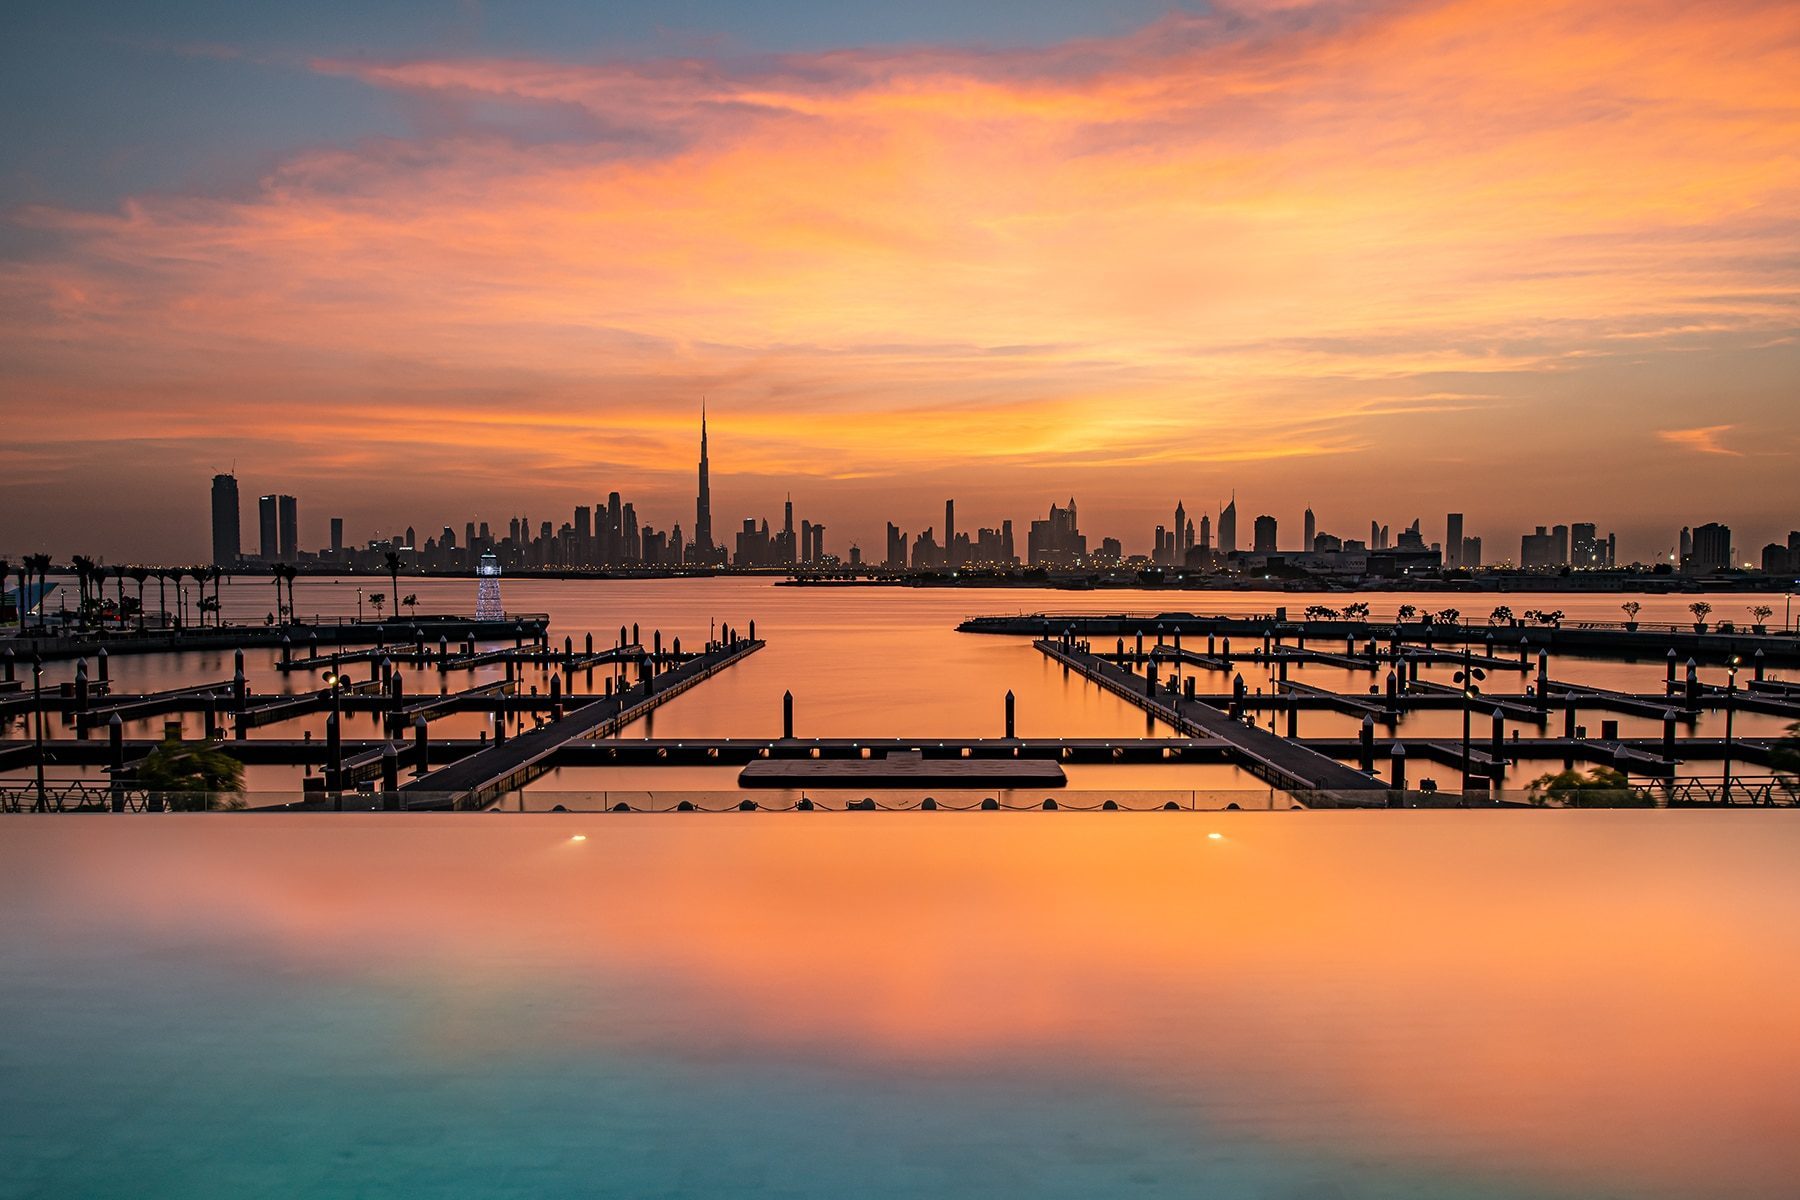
(89, 797)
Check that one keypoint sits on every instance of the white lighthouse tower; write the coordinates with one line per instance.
(487, 589)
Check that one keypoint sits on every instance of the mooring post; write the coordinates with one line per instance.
(1237, 695)
(421, 746)
(1225, 652)
(1498, 751)
(287, 650)
(334, 755)
(115, 742)
(635, 640)
(240, 691)
(1693, 685)
(1397, 768)
(499, 727)
(81, 685)
(787, 715)
(590, 643)
(753, 629)
(1393, 691)
(390, 778)
(1009, 714)
(1543, 679)
(101, 660)
(1293, 717)
(1671, 676)
(1755, 659)
(556, 692)
(1368, 745)
(1669, 736)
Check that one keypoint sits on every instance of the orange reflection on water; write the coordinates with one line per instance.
(1588, 998)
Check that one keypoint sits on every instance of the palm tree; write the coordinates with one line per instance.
(84, 571)
(275, 572)
(290, 572)
(178, 577)
(377, 599)
(392, 558)
(119, 577)
(138, 576)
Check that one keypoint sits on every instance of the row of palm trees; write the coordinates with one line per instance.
(91, 577)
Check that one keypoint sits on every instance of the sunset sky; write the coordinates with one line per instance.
(1536, 261)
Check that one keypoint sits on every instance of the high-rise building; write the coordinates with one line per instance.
(1585, 547)
(227, 546)
(896, 549)
(1265, 535)
(1176, 547)
(1469, 554)
(337, 537)
(1544, 548)
(290, 528)
(950, 559)
(268, 530)
(702, 551)
(1228, 527)
(1056, 540)
(1453, 540)
(1311, 532)
(1712, 548)
(1205, 542)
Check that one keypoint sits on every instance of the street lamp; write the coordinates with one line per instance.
(37, 705)
(1730, 688)
(1470, 677)
(334, 739)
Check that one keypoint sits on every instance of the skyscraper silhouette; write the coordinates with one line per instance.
(227, 546)
(703, 538)
(1228, 527)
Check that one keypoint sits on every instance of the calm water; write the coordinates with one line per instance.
(884, 662)
(1319, 1005)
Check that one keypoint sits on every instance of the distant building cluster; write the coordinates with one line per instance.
(609, 536)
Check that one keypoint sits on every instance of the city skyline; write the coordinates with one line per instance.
(1381, 257)
(608, 533)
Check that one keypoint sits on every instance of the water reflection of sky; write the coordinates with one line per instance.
(1419, 1004)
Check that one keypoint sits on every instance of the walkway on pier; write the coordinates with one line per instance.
(1282, 761)
(509, 765)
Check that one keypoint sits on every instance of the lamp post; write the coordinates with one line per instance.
(1730, 691)
(359, 592)
(334, 740)
(1469, 677)
(37, 706)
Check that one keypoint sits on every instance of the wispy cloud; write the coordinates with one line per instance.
(1705, 440)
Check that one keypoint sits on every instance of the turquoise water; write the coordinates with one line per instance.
(1307, 1006)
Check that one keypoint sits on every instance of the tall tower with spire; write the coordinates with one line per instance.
(703, 539)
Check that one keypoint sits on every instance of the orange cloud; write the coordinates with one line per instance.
(1259, 237)
(1705, 440)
